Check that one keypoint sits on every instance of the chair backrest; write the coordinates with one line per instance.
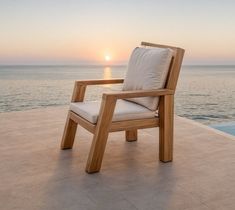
(156, 67)
(175, 66)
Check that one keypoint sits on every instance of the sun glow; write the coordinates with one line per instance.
(107, 57)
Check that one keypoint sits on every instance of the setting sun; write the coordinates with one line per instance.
(107, 57)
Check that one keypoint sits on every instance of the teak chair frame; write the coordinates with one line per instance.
(105, 125)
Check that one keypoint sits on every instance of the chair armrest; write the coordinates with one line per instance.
(80, 87)
(99, 81)
(139, 93)
(109, 101)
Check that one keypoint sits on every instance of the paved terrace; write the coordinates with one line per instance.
(36, 174)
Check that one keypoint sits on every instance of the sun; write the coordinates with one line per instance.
(107, 57)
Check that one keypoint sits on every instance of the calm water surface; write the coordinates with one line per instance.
(204, 93)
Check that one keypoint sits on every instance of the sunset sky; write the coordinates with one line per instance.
(98, 31)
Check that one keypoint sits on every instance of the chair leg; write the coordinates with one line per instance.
(101, 135)
(96, 152)
(166, 118)
(69, 133)
(131, 135)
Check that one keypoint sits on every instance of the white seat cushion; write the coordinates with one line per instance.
(124, 110)
(147, 69)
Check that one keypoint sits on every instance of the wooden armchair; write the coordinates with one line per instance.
(111, 119)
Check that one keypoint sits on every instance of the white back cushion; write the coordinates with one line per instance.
(147, 69)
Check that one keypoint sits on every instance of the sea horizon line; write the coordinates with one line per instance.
(102, 65)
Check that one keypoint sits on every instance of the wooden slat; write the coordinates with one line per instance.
(69, 133)
(131, 135)
(139, 93)
(148, 44)
(175, 69)
(80, 87)
(84, 123)
(78, 93)
(134, 124)
(166, 121)
(100, 81)
(101, 134)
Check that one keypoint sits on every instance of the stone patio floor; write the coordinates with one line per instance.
(36, 174)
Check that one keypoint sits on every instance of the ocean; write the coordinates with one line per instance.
(204, 93)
